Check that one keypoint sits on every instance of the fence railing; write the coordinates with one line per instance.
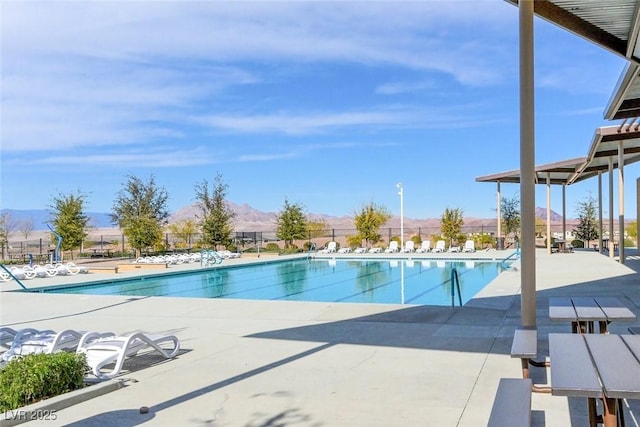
(108, 245)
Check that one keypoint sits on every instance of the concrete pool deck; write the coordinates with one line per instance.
(271, 363)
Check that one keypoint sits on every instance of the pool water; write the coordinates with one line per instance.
(327, 280)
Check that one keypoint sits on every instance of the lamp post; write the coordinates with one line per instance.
(401, 194)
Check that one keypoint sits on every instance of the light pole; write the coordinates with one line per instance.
(401, 193)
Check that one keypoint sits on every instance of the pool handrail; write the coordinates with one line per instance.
(455, 284)
(207, 254)
(515, 254)
(14, 277)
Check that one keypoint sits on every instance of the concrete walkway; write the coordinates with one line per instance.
(269, 363)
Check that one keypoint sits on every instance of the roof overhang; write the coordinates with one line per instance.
(604, 150)
(611, 24)
(558, 173)
(625, 100)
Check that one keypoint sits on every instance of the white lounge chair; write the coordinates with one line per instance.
(425, 247)
(331, 248)
(454, 249)
(409, 247)
(30, 341)
(375, 250)
(346, 250)
(469, 246)
(104, 351)
(8, 335)
(360, 250)
(21, 273)
(45, 270)
(440, 246)
(393, 247)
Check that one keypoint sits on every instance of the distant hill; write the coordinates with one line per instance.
(542, 214)
(250, 219)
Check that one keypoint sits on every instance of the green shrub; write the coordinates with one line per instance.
(292, 249)
(35, 377)
(577, 244)
(272, 247)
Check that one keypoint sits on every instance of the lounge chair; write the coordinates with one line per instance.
(425, 247)
(393, 247)
(454, 249)
(360, 250)
(409, 246)
(440, 246)
(375, 250)
(105, 351)
(22, 273)
(331, 248)
(469, 246)
(8, 335)
(31, 341)
(45, 270)
(346, 250)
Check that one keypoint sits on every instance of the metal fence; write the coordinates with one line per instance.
(116, 245)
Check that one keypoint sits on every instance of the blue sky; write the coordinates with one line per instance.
(328, 104)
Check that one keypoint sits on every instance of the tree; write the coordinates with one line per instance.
(69, 220)
(26, 228)
(7, 226)
(369, 220)
(541, 227)
(451, 224)
(632, 230)
(184, 230)
(140, 210)
(216, 220)
(510, 213)
(587, 228)
(291, 223)
(317, 228)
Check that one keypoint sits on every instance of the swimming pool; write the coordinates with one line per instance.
(326, 280)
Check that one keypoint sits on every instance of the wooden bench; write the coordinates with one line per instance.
(512, 403)
(106, 269)
(134, 267)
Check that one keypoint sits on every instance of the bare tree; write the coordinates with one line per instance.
(7, 226)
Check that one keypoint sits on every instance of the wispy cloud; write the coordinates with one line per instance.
(301, 124)
(80, 74)
(395, 88)
(155, 158)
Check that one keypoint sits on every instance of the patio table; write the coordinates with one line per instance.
(583, 312)
(596, 366)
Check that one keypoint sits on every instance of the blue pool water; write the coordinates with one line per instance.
(327, 280)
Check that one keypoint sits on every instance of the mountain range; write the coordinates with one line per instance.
(249, 219)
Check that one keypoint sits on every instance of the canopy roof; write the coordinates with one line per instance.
(611, 24)
(604, 149)
(559, 173)
(625, 101)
